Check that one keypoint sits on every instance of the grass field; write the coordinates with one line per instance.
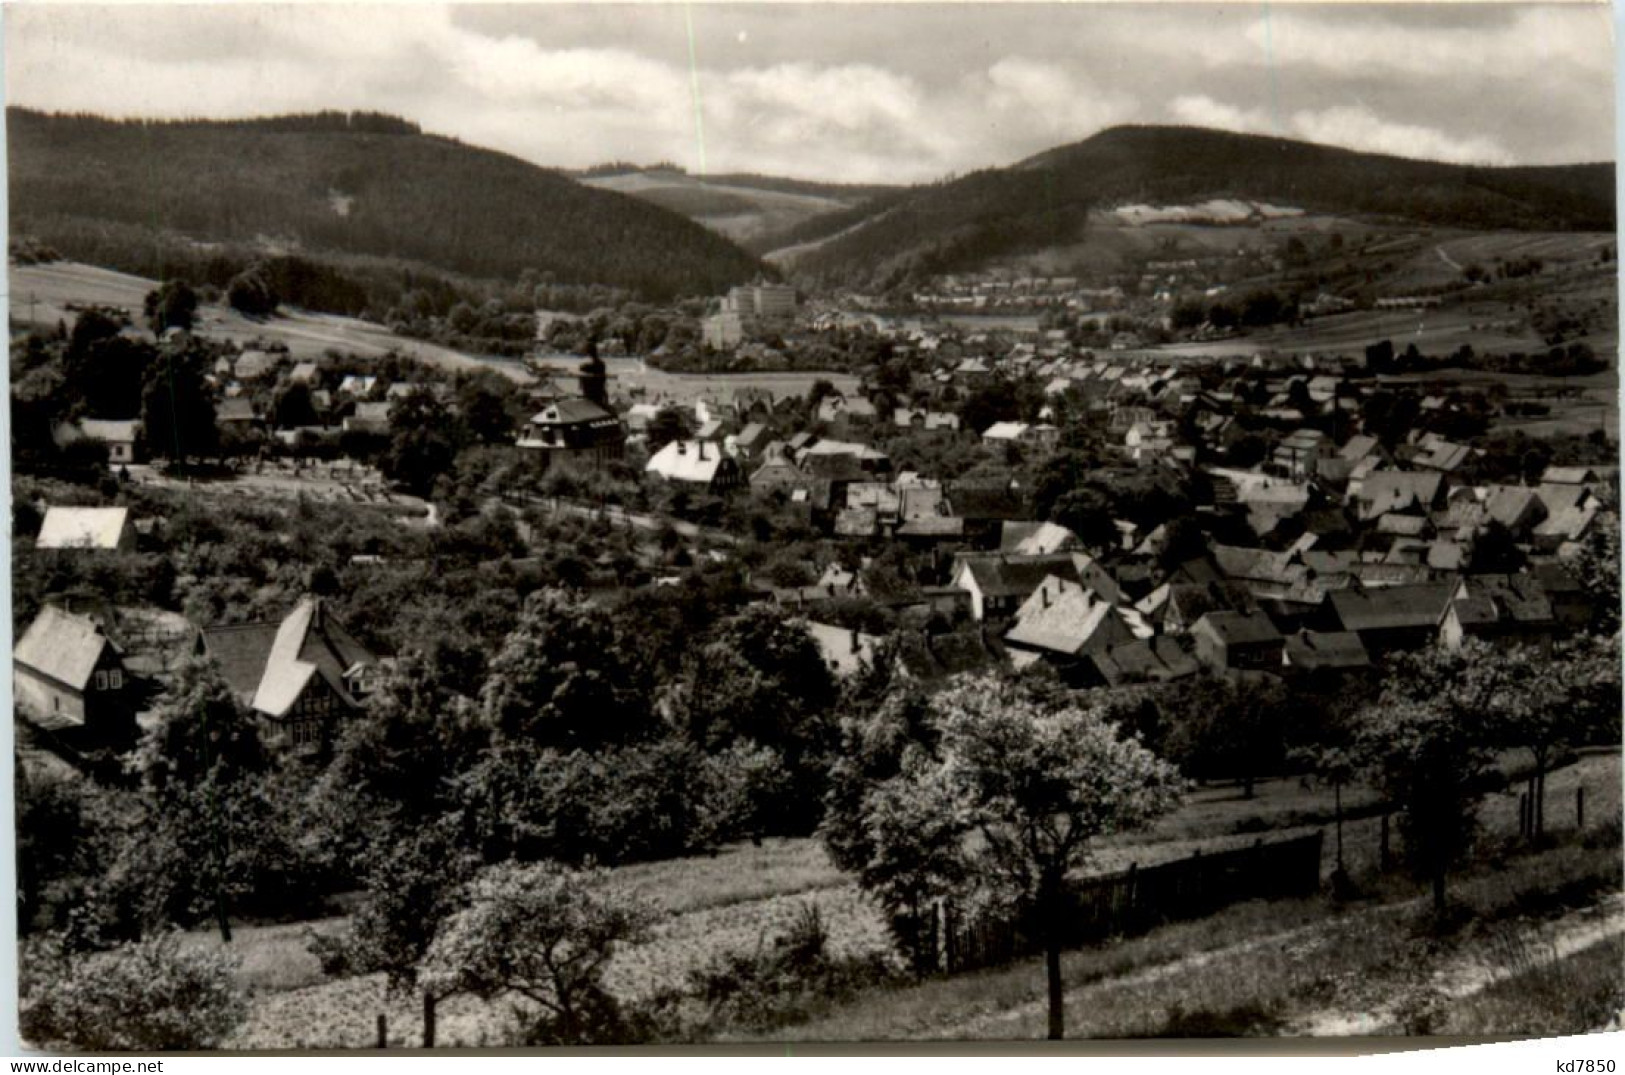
(745, 896)
(41, 294)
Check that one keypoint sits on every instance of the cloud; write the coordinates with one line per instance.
(921, 91)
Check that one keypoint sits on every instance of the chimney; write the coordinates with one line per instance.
(1044, 590)
(854, 640)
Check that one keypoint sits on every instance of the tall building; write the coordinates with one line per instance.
(748, 310)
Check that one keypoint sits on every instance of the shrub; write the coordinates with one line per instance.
(141, 997)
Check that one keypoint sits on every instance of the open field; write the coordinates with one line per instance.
(745, 896)
(634, 378)
(41, 294)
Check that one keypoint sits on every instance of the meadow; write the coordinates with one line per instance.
(745, 896)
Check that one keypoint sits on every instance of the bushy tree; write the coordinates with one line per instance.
(1431, 764)
(250, 293)
(544, 932)
(1017, 790)
(172, 305)
(568, 676)
(144, 997)
(177, 407)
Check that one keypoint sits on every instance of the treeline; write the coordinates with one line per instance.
(954, 226)
(324, 185)
(1180, 165)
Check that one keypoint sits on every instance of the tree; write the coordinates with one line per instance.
(177, 408)
(294, 408)
(1424, 745)
(1544, 701)
(147, 996)
(1034, 783)
(760, 679)
(423, 442)
(412, 884)
(172, 305)
(568, 676)
(667, 425)
(546, 933)
(196, 760)
(1221, 727)
(250, 293)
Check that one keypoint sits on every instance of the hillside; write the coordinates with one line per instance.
(351, 185)
(759, 212)
(1046, 200)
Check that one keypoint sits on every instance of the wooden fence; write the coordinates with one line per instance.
(1135, 900)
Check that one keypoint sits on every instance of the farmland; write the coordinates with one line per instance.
(746, 896)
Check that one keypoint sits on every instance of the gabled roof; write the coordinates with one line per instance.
(1517, 598)
(1238, 628)
(1063, 617)
(1001, 575)
(82, 528)
(1393, 607)
(1030, 538)
(269, 665)
(1384, 491)
(1568, 475)
(568, 411)
(1326, 649)
(688, 461)
(62, 645)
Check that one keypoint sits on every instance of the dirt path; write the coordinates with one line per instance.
(1478, 969)
(1008, 1023)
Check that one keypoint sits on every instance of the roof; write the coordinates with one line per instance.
(240, 409)
(1326, 649)
(1396, 490)
(747, 437)
(1031, 538)
(1004, 431)
(1238, 628)
(270, 664)
(1008, 575)
(688, 461)
(1568, 475)
(844, 650)
(1392, 607)
(1519, 598)
(82, 528)
(62, 645)
(1065, 618)
(567, 411)
(985, 501)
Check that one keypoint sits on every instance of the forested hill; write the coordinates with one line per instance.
(351, 184)
(1045, 199)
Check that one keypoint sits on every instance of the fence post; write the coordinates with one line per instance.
(1383, 853)
(1580, 807)
(383, 1031)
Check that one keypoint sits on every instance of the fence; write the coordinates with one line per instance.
(1134, 900)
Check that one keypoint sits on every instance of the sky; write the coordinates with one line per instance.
(850, 92)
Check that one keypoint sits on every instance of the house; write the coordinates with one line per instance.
(1300, 454)
(1005, 433)
(1187, 602)
(1153, 660)
(69, 679)
(1227, 641)
(1030, 539)
(749, 441)
(1515, 507)
(1383, 492)
(1396, 617)
(929, 421)
(118, 434)
(837, 408)
(300, 678)
(1322, 651)
(305, 373)
(369, 418)
(999, 583)
(1063, 621)
(575, 428)
(1507, 609)
(253, 365)
(86, 528)
(696, 463)
(844, 651)
(356, 385)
